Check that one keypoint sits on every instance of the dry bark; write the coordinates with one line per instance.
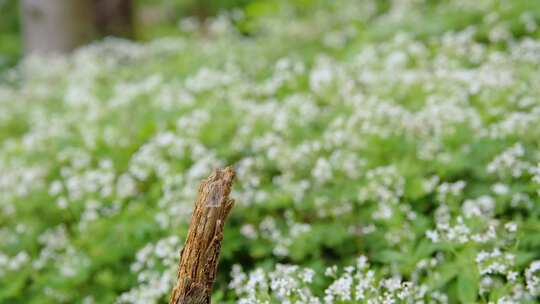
(200, 255)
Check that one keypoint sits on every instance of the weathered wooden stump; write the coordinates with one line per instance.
(200, 256)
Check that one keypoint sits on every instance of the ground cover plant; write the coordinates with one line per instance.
(386, 152)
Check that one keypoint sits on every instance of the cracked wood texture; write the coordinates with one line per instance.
(200, 255)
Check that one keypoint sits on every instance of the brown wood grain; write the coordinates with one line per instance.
(200, 256)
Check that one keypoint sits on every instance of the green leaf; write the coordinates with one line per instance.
(467, 285)
(445, 274)
(14, 286)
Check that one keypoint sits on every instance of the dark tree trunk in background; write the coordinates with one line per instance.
(202, 9)
(57, 26)
(115, 18)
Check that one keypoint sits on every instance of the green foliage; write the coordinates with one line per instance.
(9, 33)
(405, 132)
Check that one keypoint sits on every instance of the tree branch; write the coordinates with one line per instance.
(200, 256)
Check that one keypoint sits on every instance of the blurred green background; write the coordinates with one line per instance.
(153, 18)
(141, 97)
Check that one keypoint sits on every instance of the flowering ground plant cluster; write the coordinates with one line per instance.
(385, 151)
